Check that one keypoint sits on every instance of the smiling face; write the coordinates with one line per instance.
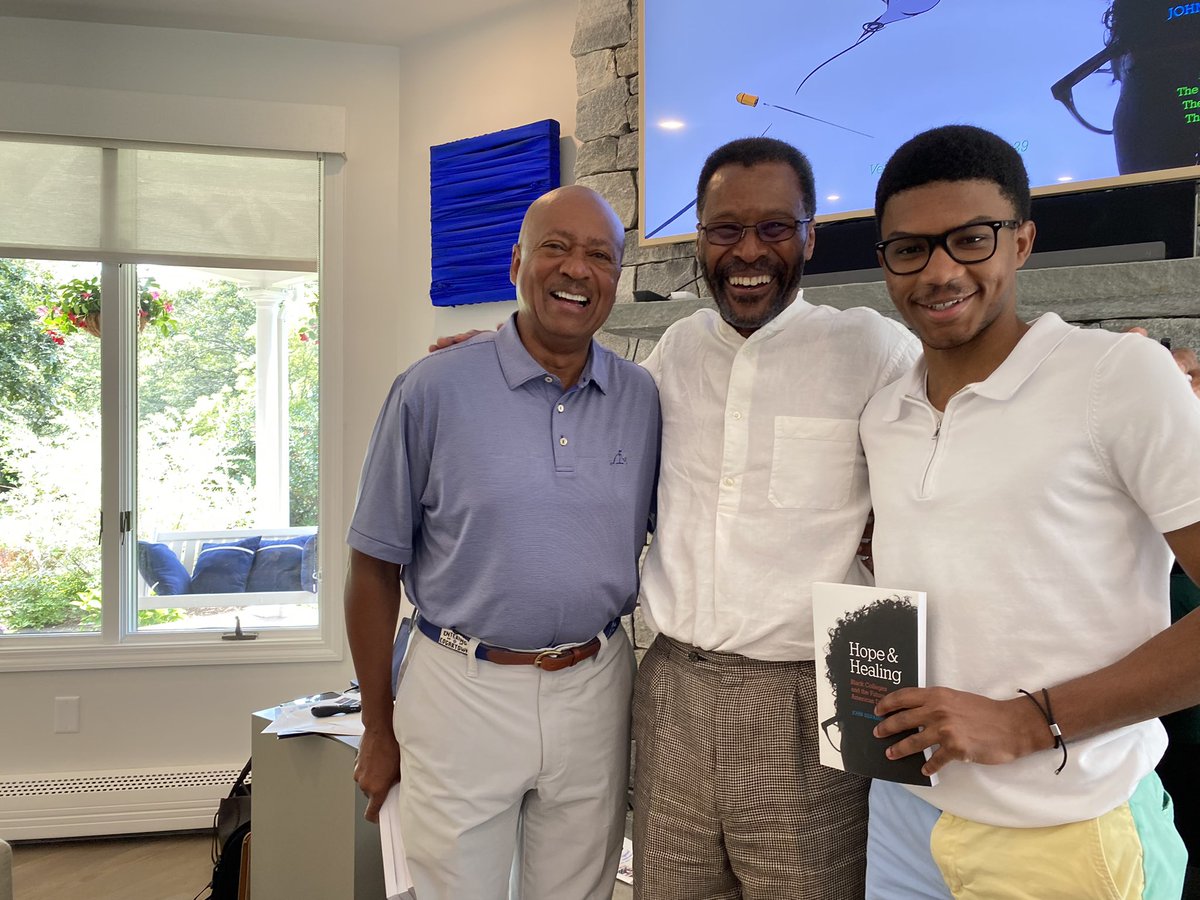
(753, 281)
(948, 304)
(565, 268)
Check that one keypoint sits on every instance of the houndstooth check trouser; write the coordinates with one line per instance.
(730, 802)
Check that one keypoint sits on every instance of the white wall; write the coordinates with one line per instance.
(496, 75)
(499, 73)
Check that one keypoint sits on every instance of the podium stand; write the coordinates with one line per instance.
(310, 838)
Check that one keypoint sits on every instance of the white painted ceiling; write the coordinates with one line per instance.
(388, 22)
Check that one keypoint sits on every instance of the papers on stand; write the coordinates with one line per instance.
(396, 880)
(297, 718)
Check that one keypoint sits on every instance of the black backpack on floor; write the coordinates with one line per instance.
(231, 828)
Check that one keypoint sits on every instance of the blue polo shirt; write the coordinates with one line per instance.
(518, 510)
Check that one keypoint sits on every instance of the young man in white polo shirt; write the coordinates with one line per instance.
(1025, 476)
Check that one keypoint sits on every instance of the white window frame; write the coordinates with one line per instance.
(248, 125)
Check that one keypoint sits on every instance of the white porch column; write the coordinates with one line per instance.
(271, 418)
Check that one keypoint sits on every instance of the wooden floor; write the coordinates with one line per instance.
(170, 867)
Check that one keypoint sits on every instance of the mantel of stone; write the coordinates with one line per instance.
(1161, 289)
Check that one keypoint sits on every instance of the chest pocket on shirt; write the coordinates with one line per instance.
(812, 462)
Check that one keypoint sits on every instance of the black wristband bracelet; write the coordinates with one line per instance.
(1048, 715)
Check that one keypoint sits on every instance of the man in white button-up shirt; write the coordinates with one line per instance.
(762, 491)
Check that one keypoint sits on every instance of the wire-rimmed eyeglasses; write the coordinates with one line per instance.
(1063, 90)
(966, 244)
(769, 231)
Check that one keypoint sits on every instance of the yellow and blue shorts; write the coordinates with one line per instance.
(917, 852)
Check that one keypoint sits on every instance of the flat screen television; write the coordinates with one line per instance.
(848, 81)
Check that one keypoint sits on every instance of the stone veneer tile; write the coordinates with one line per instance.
(603, 112)
(632, 110)
(627, 59)
(625, 285)
(601, 24)
(664, 277)
(627, 151)
(592, 70)
(620, 191)
(651, 253)
(596, 156)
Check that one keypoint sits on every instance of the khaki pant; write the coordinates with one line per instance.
(513, 771)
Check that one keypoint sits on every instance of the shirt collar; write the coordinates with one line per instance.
(793, 310)
(519, 367)
(1043, 336)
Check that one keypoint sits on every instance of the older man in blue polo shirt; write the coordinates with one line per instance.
(508, 485)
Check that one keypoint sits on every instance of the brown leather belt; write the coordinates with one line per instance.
(550, 660)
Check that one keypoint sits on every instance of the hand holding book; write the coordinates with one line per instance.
(963, 727)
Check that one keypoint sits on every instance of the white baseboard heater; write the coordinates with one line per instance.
(93, 804)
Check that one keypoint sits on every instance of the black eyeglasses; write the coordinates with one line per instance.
(966, 244)
(1063, 90)
(832, 722)
(771, 231)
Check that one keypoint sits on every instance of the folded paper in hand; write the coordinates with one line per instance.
(396, 880)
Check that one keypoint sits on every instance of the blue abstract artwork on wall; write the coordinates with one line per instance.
(479, 190)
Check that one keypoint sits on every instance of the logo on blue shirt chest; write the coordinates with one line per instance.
(619, 459)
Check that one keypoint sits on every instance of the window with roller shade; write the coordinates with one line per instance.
(159, 463)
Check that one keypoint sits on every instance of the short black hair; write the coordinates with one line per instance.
(955, 153)
(752, 151)
(1123, 25)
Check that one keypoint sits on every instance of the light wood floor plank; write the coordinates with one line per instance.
(156, 867)
(160, 867)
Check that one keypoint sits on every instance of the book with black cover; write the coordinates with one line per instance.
(869, 642)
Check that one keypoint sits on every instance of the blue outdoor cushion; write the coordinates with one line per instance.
(162, 570)
(277, 564)
(308, 567)
(223, 568)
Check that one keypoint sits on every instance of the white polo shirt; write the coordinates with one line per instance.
(1033, 517)
(763, 485)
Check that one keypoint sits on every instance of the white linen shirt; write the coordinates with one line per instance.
(763, 485)
(1034, 523)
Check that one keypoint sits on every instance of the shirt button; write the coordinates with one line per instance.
(561, 408)
(728, 482)
(563, 441)
(736, 414)
(548, 379)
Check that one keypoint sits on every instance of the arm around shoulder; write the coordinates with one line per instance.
(906, 350)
